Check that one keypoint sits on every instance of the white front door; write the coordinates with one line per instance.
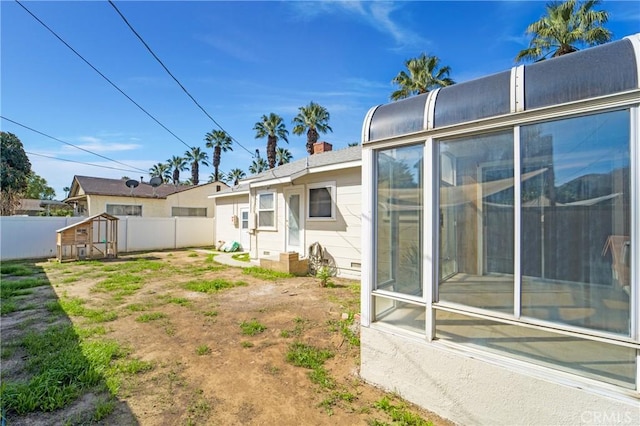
(294, 221)
(245, 239)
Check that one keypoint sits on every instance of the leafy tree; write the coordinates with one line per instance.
(196, 156)
(564, 28)
(38, 189)
(424, 75)
(235, 175)
(283, 156)
(162, 171)
(15, 169)
(177, 164)
(273, 128)
(258, 165)
(312, 119)
(220, 141)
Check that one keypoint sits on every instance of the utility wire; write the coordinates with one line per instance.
(174, 78)
(70, 144)
(102, 75)
(80, 162)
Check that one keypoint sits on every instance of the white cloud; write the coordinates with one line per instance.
(378, 15)
(95, 144)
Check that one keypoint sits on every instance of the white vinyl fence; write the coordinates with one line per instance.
(35, 237)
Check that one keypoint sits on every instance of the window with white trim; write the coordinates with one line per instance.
(322, 201)
(266, 209)
(124, 210)
(189, 211)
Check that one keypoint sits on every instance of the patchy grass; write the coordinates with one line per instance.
(298, 328)
(242, 257)
(211, 286)
(151, 316)
(246, 344)
(16, 269)
(265, 274)
(120, 284)
(347, 328)
(203, 350)
(75, 307)
(303, 355)
(251, 328)
(400, 414)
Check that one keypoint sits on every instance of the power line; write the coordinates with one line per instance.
(81, 162)
(174, 78)
(102, 75)
(70, 144)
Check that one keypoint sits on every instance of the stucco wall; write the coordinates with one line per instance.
(470, 391)
(195, 197)
(151, 207)
(225, 208)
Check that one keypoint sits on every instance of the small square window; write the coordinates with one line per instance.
(321, 198)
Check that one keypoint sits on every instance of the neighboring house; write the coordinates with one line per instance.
(290, 207)
(31, 207)
(501, 244)
(93, 195)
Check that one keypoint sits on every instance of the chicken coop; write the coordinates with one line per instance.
(94, 238)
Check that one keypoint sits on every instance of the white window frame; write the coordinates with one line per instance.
(331, 186)
(274, 209)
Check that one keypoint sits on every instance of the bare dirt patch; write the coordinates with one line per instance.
(206, 371)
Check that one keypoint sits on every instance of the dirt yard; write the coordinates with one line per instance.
(204, 367)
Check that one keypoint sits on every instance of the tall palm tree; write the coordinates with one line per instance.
(312, 119)
(196, 156)
(235, 175)
(220, 141)
(258, 165)
(177, 164)
(162, 171)
(66, 190)
(283, 156)
(271, 127)
(425, 74)
(564, 28)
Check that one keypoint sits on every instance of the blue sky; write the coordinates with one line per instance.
(239, 60)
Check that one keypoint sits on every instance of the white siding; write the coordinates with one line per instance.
(225, 209)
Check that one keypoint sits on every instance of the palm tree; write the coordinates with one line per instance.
(196, 157)
(258, 165)
(273, 129)
(235, 175)
(66, 190)
(283, 156)
(564, 28)
(425, 74)
(162, 171)
(220, 141)
(178, 164)
(312, 119)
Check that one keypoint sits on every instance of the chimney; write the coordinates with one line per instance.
(319, 147)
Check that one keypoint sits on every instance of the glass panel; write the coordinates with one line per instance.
(399, 220)
(476, 221)
(265, 219)
(400, 314)
(244, 219)
(597, 360)
(265, 201)
(320, 202)
(294, 220)
(398, 118)
(576, 221)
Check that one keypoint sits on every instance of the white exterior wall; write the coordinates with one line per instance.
(35, 237)
(476, 392)
(225, 208)
(339, 238)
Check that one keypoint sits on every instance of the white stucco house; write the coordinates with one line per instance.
(292, 206)
(501, 236)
